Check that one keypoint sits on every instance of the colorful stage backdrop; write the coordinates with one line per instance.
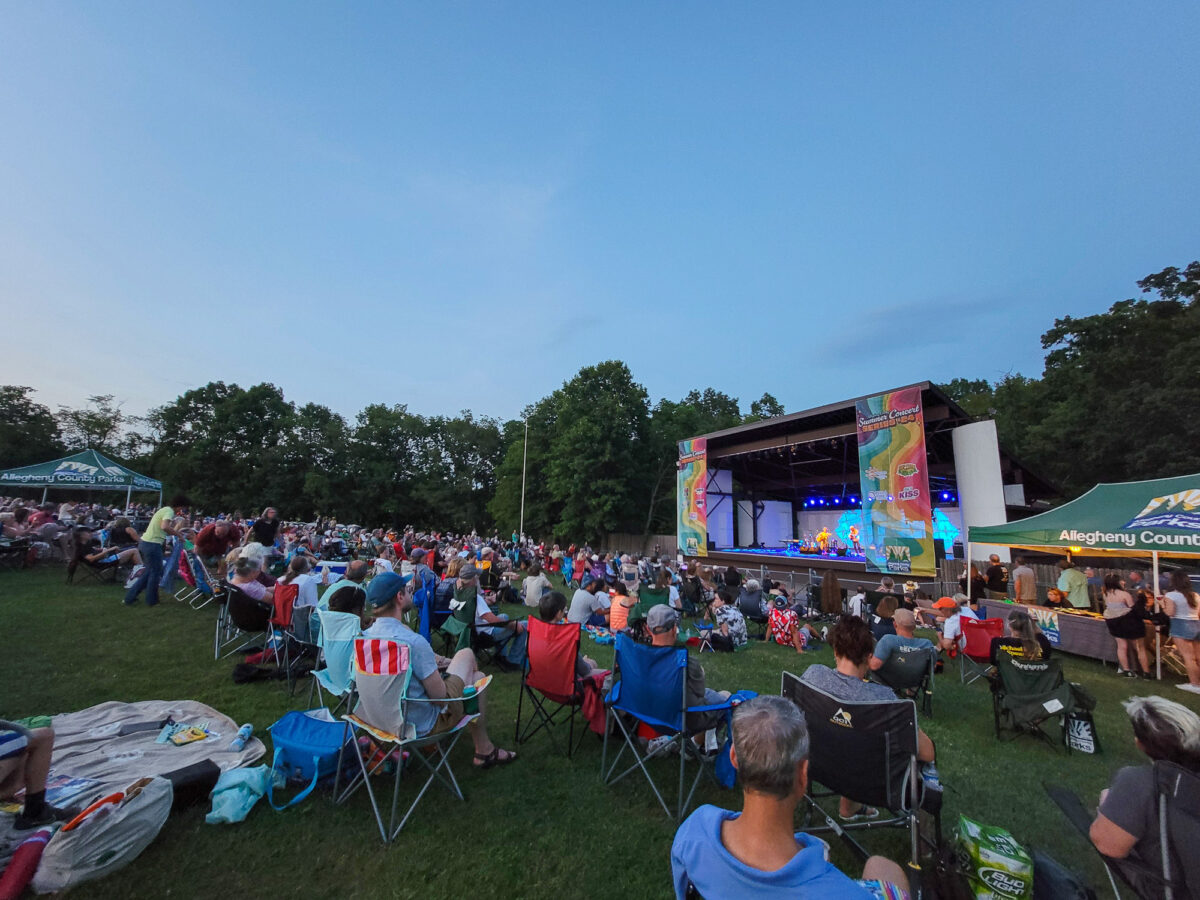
(690, 499)
(897, 521)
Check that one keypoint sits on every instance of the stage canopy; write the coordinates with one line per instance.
(84, 471)
(1136, 517)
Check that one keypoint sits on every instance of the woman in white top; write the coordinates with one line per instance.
(1126, 626)
(1183, 606)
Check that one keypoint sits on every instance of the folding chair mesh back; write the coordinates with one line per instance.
(245, 618)
(382, 676)
(976, 655)
(339, 630)
(1028, 694)
(1179, 821)
(549, 672)
(909, 671)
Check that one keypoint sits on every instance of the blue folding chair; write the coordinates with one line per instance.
(650, 686)
(424, 593)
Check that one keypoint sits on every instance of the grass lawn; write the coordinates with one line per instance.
(541, 827)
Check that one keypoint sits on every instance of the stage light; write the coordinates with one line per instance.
(945, 495)
(837, 501)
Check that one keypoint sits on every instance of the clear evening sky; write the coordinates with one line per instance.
(458, 205)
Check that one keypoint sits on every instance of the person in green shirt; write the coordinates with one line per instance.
(1074, 584)
(151, 550)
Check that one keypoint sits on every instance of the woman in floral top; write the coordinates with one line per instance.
(730, 623)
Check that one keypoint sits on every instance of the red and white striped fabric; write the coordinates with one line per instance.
(378, 657)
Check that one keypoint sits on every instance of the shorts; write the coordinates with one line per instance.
(884, 890)
(12, 744)
(1185, 629)
(452, 713)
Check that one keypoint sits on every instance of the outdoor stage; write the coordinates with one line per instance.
(851, 568)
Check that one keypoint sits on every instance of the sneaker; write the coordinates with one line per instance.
(48, 816)
(929, 774)
(1193, 688)
(864, 814)
(825, 634)
(134, 575)
(662, 745)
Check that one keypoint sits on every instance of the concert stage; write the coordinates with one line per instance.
(851, 569)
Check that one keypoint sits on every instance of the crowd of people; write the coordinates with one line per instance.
(716, 852)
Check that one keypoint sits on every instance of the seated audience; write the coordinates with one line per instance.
(663, 624)
(729, 629)
(755, 853)
(948, 612)
(904, 640)
(434, 677)
(785, 625)
(587, 608)
(245, 577)
(88, 549)
(24, 765)
(356, 574)
(1127, 825)
(306, 599)
(620, 605)
(881, 619)
(1025, 640)
(552, 608)
(852, 649)
(349, 598)
(535, 585)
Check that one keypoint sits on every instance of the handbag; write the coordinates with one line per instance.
(306, 750)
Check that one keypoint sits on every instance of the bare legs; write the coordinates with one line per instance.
(464, 665)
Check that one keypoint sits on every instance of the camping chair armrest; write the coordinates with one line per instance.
(487, 682)
(713, 707)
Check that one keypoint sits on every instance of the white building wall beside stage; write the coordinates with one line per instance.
(774, 523)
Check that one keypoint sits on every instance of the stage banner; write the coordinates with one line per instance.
(897, 512)
(690, 497)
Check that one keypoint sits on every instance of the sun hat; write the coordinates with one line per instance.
(661, 619)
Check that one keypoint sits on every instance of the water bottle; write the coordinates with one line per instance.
(243, 735)
(470, 701)
(24, 863)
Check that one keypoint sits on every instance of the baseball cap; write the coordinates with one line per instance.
(467, 572)
(661, 619)
(945, 603)
(418, 553)
(384, 587)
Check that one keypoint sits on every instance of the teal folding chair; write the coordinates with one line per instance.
(336, 639)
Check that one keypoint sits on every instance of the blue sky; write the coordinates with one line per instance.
(459, 205)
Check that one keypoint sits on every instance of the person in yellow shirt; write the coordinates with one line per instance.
(823, 539)
(150, 548)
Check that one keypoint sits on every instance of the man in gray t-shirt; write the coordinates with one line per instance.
(585, 603)
(846, 687)
(1024, 583)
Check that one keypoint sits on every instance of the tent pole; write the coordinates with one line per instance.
(128, 497)
(44, 490)
(1157, 634)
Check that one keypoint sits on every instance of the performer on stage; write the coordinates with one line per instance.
(823, 539)
(854, 539)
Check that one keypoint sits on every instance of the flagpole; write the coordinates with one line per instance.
(524, 459)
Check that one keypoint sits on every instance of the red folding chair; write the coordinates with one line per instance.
(977, 654)
(281, 629)
(549, 680)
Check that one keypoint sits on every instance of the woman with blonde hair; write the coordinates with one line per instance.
(1183, 606)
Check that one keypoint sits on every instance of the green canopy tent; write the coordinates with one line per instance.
(86, 470)
(1156, 518)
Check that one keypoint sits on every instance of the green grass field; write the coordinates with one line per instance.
(541, 827)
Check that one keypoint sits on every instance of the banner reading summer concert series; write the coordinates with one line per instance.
(897, 516)
(691, 485)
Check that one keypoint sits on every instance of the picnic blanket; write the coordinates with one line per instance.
(88, 743)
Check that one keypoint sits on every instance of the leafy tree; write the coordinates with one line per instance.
(29, 433)
(765, 407)
(97, 426)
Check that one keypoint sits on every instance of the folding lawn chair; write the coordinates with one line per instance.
(1177, 873)
(100, 573)
(976, 656)
(1028, 694)
(425, 600)
(339, 630)
(189, 589)
(287, 648)
(14, 553)
(549, 680)
(866, 751)
(750, 605)
(205, 581)
(650, 687)
(910, 674)
(460, 633)
(382, 673)
(247, 619)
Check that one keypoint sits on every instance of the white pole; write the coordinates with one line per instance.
(128, 496)
(524, 459)
(44, 490)
(1157, 634)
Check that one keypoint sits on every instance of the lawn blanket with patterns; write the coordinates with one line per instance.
(89, 745)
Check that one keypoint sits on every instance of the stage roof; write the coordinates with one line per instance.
(816, 450)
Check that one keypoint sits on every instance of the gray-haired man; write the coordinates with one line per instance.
(754, 852)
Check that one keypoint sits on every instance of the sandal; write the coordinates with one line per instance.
(487, 760)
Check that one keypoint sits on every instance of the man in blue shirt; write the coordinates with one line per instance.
(903, 641)
(754, 852)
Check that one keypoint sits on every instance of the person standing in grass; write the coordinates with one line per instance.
(1183, 606)
(150, 548)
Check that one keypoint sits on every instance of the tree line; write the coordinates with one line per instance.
(1115, 402)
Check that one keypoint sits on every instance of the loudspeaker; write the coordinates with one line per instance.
(939, 550)
(841, 551)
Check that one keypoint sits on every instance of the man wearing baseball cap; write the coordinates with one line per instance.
(389, 597)
(663, 624)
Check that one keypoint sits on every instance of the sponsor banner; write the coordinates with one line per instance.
(691, 501)
(897, 510)
(1047, 620)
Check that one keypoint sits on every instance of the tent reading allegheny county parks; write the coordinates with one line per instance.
(86, 470)
(1137, 517)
